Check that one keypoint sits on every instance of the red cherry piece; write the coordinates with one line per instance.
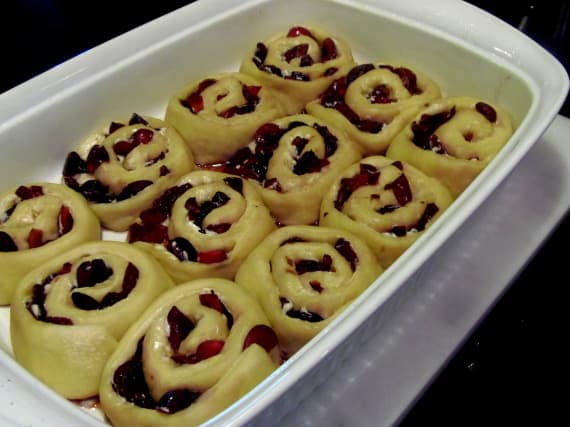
(328, 49)
(401, 188)
(122, 148)
(316, 285)
(252, 90)
(487, 111)
(64, 221)
(142, 136)
(97, 155)
(211, 300)
(150, 233)
(153, 216)
(209, 348)
(213, 256)
(262, 335)
(113, 126)
(30, 192)
(35, 238)
(195, 102)
(299, 31)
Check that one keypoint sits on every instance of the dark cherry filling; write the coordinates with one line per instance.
(197, 212)
(96, 157)
(180, 327)
(151, 229)
(7, 244)
(140, 136)
(299, 51)
(30, 192)
(345, 249)
(307, 316)
(250, 93)
(334, 96)
(182, 249)
(129, 382)
(94, 190)
(368, 175)
(195, 102)
(310, 265)
(401, 189)
(292, 240)
(408, 78)
(328, 52)
(423, 130)
(316, 286)
(253, 164)
(429, 212)
(90, 273)
(487, 111)
(36, 305)
(235, 183)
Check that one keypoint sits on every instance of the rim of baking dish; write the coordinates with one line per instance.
(500, 43)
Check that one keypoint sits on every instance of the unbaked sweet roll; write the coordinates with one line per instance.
(293, 161)
(453, 140)
(218, 115)
(387, 203)
(299, 64)
(203, 226)
(121, 169)
(373, 102)
(194, 352)
(37, 222)
(69, 314)
(303, 276)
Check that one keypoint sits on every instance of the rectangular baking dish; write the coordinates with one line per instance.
(467, 51)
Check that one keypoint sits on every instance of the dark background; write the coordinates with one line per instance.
(512, 369)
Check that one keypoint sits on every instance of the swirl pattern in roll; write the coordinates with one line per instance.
(372, 103)
(453, 139)
(387, 203)
(37, 222)
(219, 114)
(303, 276)
(194, 352)
(203, 226)
(69, 314)
(121, 169)
(299, 64)
(293, 161)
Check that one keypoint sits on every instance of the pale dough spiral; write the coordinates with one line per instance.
(69, 314)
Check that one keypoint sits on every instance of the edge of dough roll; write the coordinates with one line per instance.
(292, 161)
(218, 114)
(304, 275)
(196, 350)
(374, 102)
(123, 167)
(386, 202)
(203, 226)
(299, 63)
(69, 314)
(37, 222)
(453, 140)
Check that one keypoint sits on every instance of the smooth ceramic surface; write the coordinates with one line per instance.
(476, 54)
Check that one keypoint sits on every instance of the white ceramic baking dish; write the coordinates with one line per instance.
(466, 50)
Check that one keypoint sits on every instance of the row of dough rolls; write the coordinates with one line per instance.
(260, 207)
